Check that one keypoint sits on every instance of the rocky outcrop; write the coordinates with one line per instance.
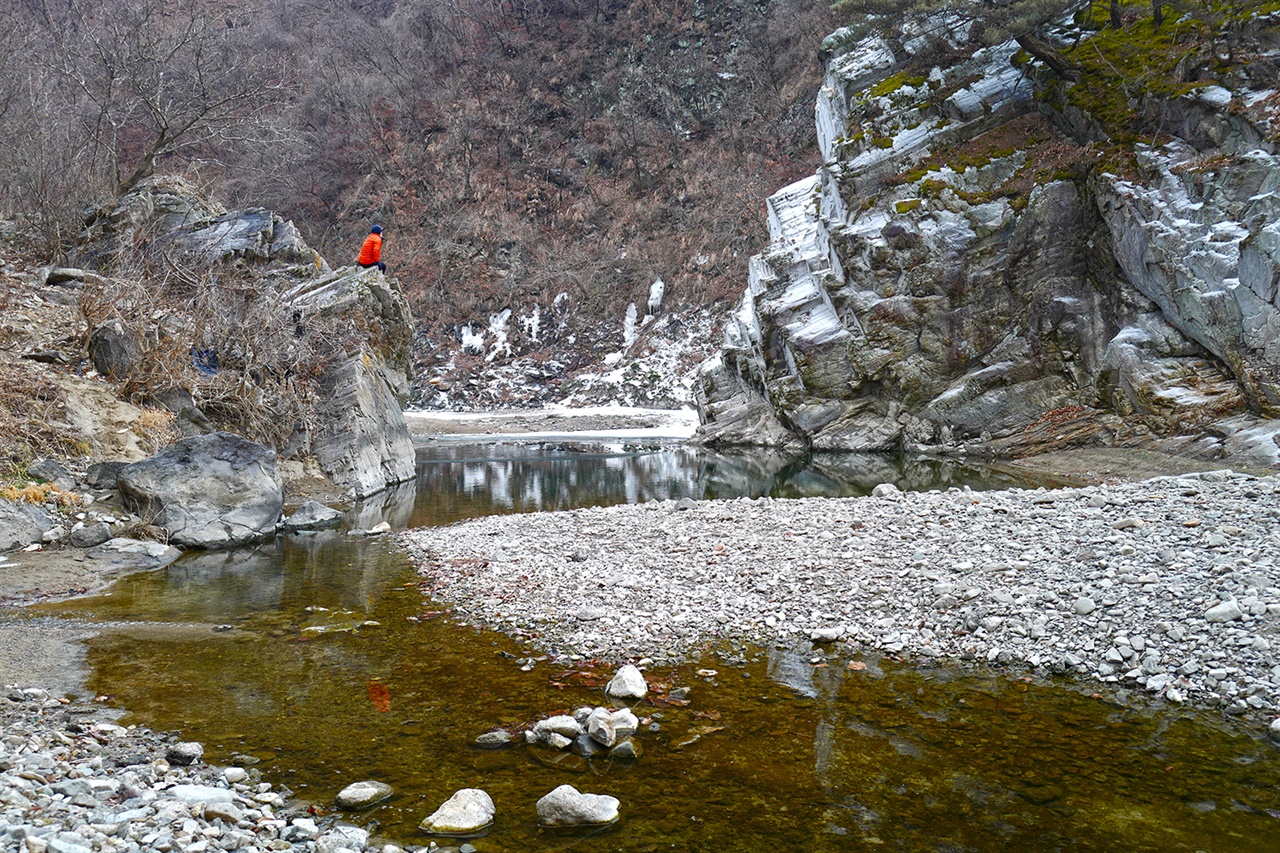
(964, 273)
(21, 524)
(357, 433)
(212, 491)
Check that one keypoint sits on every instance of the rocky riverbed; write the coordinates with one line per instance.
(1171, 585)
(74, 782)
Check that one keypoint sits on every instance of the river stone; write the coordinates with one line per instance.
(1274, 730)
(1083, 606)
(342, 838)
(21, 524)
(209, 491)
(625, 722)
(567, 806)
(600, 727)
(312, 515)
(361, 795)
(193, 794)
(467, 811)
(221, 810)
(627, 684)
(123, 553)
(90, 535)
(561, 724)
(1226, 611)
(494, 739)
(626, 750)
(184, 753)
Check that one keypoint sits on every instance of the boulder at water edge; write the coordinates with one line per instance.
(627, 684)
(209, 491)
(567, 806)
(312, 515)
(361, 795)
(467, 811)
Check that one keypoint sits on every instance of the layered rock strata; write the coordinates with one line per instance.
(967, 273)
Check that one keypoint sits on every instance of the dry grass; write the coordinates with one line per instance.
(30, 414)
(268, 358)
(40, 493)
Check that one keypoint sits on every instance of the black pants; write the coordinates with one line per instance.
(380, 265)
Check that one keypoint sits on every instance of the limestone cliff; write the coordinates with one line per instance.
(990, 261)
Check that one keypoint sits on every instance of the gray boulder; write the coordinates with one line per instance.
(211, 491)
(52, 472)
(22, 524)
(102, 475)
(122, 554)
(113, 349)
(312, 515)
(90, 535)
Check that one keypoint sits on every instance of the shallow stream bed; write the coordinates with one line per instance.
(318, 658)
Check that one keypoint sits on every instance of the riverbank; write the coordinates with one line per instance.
(1169, 585)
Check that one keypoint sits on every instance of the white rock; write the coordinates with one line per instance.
(1226, 611)
(627, 684)
(468, 810)
(360, 795)
(567, 806)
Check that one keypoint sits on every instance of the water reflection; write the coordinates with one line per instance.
(457, 481)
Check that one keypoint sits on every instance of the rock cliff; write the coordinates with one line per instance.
(342, 346)
(990, 261)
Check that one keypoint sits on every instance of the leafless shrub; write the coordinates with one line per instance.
(250, 363)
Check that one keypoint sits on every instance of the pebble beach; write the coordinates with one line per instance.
(1170, 586)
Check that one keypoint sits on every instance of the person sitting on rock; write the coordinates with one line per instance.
(371, 251)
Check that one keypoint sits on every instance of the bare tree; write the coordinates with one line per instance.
(151, 79)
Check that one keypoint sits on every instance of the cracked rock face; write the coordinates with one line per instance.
(961, 274)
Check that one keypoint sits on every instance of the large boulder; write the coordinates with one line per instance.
(22, 524)
(211, 491)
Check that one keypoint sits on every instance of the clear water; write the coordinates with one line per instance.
(269, 655)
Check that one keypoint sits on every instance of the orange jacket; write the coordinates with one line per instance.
(371, 251)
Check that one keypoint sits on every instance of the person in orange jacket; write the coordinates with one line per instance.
(371, 251)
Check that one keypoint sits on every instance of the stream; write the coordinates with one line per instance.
(316, 659)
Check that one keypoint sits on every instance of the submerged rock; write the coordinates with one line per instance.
(567, 806)
(361, 795)
(312, 515)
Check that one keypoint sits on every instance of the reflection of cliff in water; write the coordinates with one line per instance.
(457, 481)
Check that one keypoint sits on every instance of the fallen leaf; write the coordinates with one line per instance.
(380, 696)
(709, 714)
(857, 665)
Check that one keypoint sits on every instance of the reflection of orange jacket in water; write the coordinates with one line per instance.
(371, 251)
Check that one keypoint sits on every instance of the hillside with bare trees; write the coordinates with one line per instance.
(519, 153)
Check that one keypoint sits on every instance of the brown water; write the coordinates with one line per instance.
(782, 753)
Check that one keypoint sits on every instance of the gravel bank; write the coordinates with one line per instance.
(1171, 584)
(72, 782)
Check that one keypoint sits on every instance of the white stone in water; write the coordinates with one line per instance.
(184, 753)
(360, 795)
(561, 724)
(625, 722)
(600, 727)
(567, 806)
(627, 684)
(468, 810)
